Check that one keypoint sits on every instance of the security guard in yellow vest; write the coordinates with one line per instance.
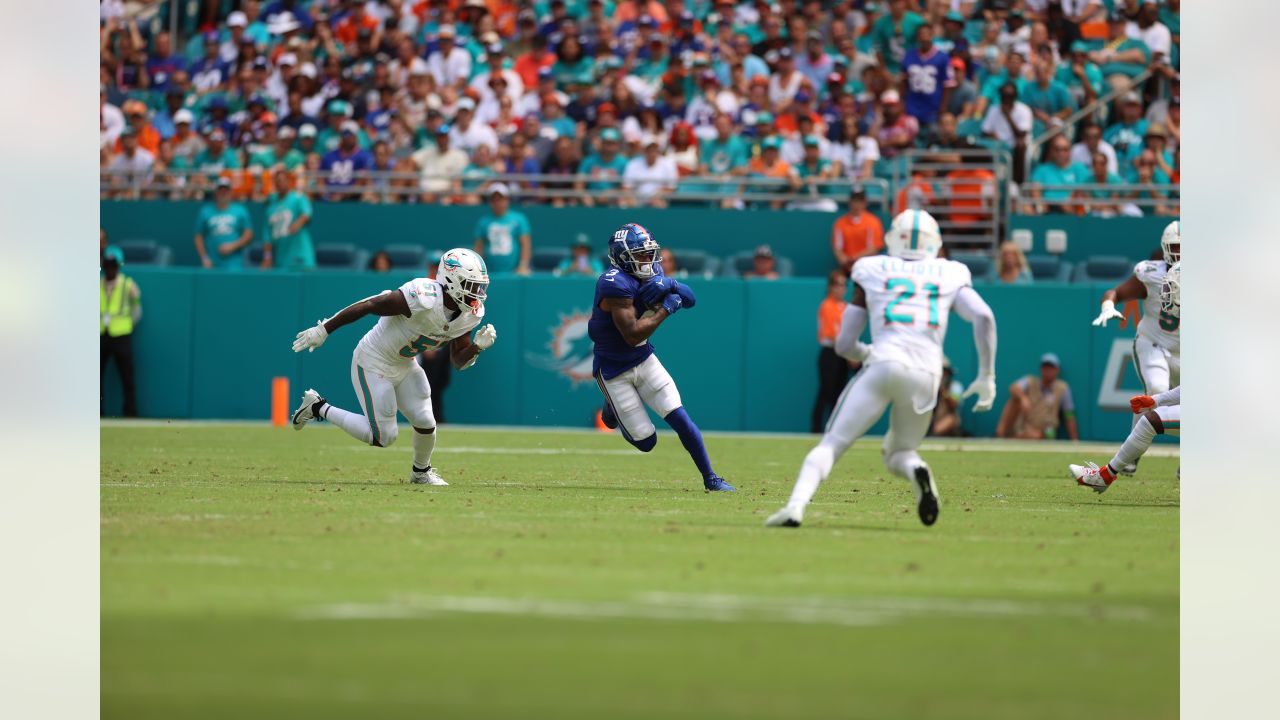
(120, 309)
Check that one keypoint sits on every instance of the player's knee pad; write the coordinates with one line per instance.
(387, 437)
(424, 430)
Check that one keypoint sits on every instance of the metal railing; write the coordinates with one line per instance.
(963, 189)
(1109, 200)
(399, 187)
(1033, 147)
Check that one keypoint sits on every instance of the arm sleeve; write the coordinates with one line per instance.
(971, 307)
(1169, 397)
(848, 345)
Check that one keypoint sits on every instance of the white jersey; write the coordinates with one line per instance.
(389, 348)
(908, 303)
(1156, 326)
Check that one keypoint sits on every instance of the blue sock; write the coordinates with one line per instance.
(691, 438)
(644, 445)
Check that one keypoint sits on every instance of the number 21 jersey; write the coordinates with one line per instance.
(908, 303)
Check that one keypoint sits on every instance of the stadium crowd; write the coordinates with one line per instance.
(428, 100)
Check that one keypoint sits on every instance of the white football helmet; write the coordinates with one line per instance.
(1171, 242)
(914, 235)
(465, 278)
(1171, 292)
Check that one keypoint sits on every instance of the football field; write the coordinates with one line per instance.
(255, 572)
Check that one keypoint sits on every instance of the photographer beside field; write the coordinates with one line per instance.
(1037, 405)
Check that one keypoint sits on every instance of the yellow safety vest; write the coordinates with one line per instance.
(117, 310)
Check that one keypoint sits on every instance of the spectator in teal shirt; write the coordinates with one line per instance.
(572, 66)
(581, 261)
(1123, 57)
(893, 32)
(224, 226)
(726, 153)
(498, 231)
(216, 157)
(1049, 100)
(1059, 171)
(1082, 78)
(288, 242)
(1127, 133)
(607, 164)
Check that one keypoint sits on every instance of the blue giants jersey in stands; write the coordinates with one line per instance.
(613, 355)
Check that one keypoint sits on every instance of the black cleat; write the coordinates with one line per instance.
(928, 503)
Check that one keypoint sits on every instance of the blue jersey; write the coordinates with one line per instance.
(927, 76)
(613, 354)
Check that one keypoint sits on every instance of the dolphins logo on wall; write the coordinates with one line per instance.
(569, 351)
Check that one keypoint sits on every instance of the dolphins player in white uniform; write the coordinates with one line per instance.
(1156, 348)
(1157, 414)
(906, 296)
(423, 314)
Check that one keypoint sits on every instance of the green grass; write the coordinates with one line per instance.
(250, 572)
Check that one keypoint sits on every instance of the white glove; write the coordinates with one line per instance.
(1108, 311)
(485, 337)
(985, 389)
(311, 338)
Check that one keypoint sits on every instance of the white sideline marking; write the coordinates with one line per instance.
(723, 608)
(872, 441)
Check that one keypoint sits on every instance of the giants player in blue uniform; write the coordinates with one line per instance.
(632, 299)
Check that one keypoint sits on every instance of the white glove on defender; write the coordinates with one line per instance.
(485, 337)
(985, 389)
(1108, 311)
(311, 338)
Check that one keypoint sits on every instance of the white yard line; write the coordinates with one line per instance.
(724, 608)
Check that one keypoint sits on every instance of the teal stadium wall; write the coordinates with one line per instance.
(802, 236)
(745, 358)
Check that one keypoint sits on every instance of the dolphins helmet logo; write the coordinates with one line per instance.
(569, 353)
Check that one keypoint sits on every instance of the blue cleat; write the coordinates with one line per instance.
(609, 417)
(715, 483)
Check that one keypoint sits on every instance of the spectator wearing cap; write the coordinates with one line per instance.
(1038, 405)
(1126, 134)
(763, 265)
(338, 117)
(441, 166)
(927, 77)
(813, 170)
(605, 166)
(308, 147)
(857, 233)
(277, 12)
(467, 134)
(894, 129)
(1156, 140)
(120, 309)
(833, 370)
(650, 178)
(1122, 58)
(449, 64)
(223, 230)
(502, 234)
(785, 82)
(345, 165)
(286, 240)
(770, 165)
(581, 260)
(229, 48)
(131, 166)
(147, 137)
(892, 32)
(1050, 101)
(815, 64)
(953, 41)
(185, 141)
(216, 158)
(210, 72)
(214, 116)
(1080, 75)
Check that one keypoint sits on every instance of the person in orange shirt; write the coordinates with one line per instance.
(135, 113)
(857, 233)
(770, 164)
(833, 370)
(350, 26)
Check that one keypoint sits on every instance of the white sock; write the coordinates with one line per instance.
(816, 468)
(1135, 445)
(904, 463)
(355, 425)
(423, 445)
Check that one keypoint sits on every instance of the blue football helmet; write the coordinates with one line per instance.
(634, 251)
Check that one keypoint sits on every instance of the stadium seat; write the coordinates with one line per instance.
(547, 259)
(1103, 268)
(145, 252)
(341, 256)
(697, 263)
(1049, 268)
(982, 267)
(407, 256)
(735, 265)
